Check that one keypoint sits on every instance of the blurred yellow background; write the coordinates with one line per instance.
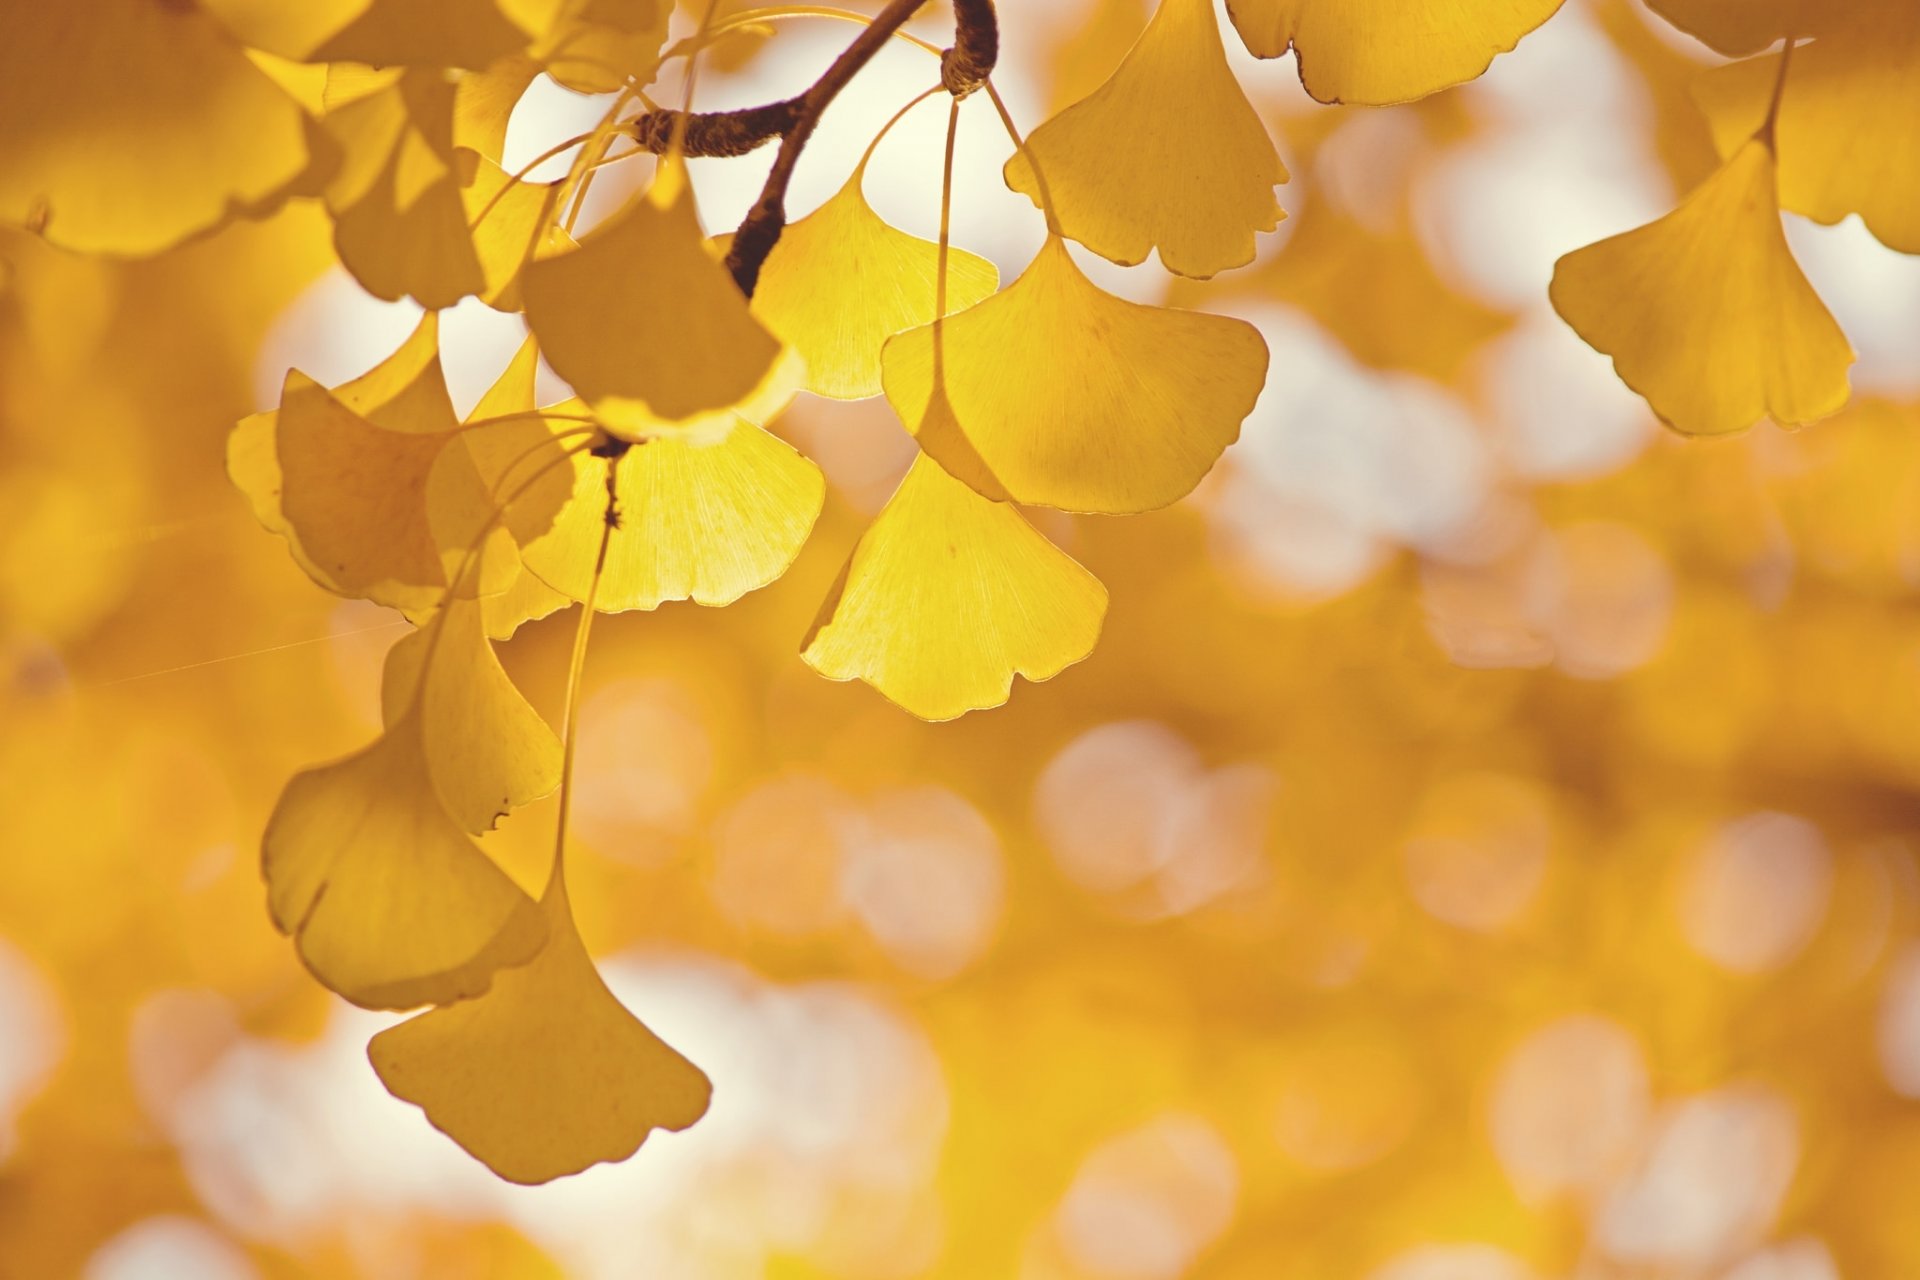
(1481, 847)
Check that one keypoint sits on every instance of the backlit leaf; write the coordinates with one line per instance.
(1055, 393)
(1128, 171)
(948, 597)
(1706, 313)
(1383, 51)
(547, 1073)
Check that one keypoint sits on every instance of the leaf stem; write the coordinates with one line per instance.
(1033, 162)
(1769, 128)
(576, 669)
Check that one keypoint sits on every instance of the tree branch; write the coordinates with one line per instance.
(761, 229)
(976, 47)
(715, 133)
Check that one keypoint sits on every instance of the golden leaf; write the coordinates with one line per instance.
(1849, 123)
(128, 126)
(948, 596)
(1055, 393)
(547, 1073)
(1167, 154)
(645, 326)
(1706, 313)
(841, 281)
(389, 903)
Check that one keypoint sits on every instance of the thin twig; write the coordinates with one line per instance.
(761, 229)
(976, 47)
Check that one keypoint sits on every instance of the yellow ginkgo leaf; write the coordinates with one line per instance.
(382, 33)
(1385, 51)
(388, 901)
(1848, 130)
(507, 221)
(841, 281)
(643, 323)
(948, 596)
(406, 391)
(400, 220)
(699, 520)
(423, 33)
(215, 134)
(526, 600)
(1166, 154)
(547, 1073)
(483, 104)
(487, 750)
(1706, 313)
(284, 30)
(354, 499)
(595, 46)
(506, 458)
(1741, 27)
(1055, 393)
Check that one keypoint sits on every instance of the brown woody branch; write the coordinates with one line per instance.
(962, 68)
(976, 47)
(715, 133)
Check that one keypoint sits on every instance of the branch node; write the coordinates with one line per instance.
(715, 133)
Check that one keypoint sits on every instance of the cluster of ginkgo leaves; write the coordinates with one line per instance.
(659, 480)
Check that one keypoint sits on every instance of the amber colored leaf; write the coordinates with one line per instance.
(400, 222)
(354, 498)
(423, 33)
(405, 391)
(644, 324)
(1706, 313)
(1127, 170)
(1385, 51)
(706, 520)
(841, 281)
(1055, 393)
(128, 126)
(948, 597)
(1742, 27)
(1849, 123)
(487, 751)
(389, 902)
(547, 1073)
(595, 46)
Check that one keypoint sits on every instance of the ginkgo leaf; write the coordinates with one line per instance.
(1706, 313)
(1055, 393)
(506, 462)
(1385, 51)
(400, 221)
(487, 751)
(1742, 27)
(507, 221)
(423, 33)
(1849, 122)
(841, 281)
(526, 600)
(643, 323)
(389, 902)
(215, 135)
(948, 597)
(483, 104)
(700, 520)
(546, 1074)
(284, 30)
(1126, 172)
(354, 499)
(595, 46)
(405, 391)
